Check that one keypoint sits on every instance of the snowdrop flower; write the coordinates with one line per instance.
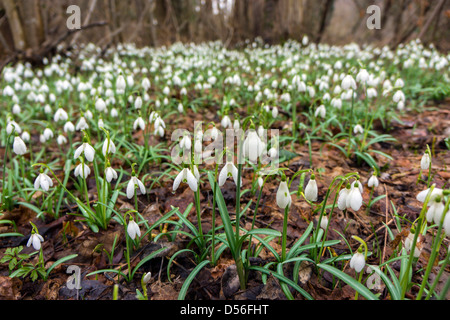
(19, 146)
(139, 122)
(409, 242)
(100, 105)
(398, 96)
(145, 84)
(399, 83)
(185, 176)
(35, 240)
(43, 181)
(354, 198)
(61, 139)
(358, 261)
(87, 149)
(25, 136)
(133, 229)
(16, 109)
(373, 181)
(138, 103)
(60, 115)
(320, 111)
(110, 174)
(324, 222)
(446, 224)
(229, 170)
(114, 113)
(348, 82)
(48, 134)
(108, 147)
(69, 127)
(425, 161)
(311, 189)
(121, 85)
(362, 76)
(253, 146)
(274, 112)
(82, 124)
(185, 142)
(358, 129)
(134, 181)
(435, 210)
(12, 125)
(82, 170)
(283, 195)
(226, 122)
(437, 192)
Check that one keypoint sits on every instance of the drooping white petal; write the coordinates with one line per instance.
(178, 179)
(283, 195)
(311, 190)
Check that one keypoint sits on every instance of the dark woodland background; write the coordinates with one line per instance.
(31, 29)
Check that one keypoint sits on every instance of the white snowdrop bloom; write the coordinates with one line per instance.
(283, 196)
(138, 103)
(408, 244)
(131, 186)
(435, 210)
(425, 161)
(130, 81)
(229, 170)
(400, 105)
(25, 136)
(19, 146)
(360, 185)
(87, 149)
(185, 142)
(253, 146)
(362, 76)
(348, 82)
(82, 170)
(446, 224)
(437, 192)
(373, 182)
(48, 134)
(8, 91)
(358, 129)
(100, 123)
(326, 97)
(214, 133)
(43, 181)
(61, 139)
(139, 123)
(159, 122)
(47, 109)
(354, 198)
(35, 240)
(114, 113)
(100, 105)
(372, 93)
(16, 109)
(183, 91)
(60, 115)
(324, 222)
(82, 124)
(69, 127)
(320, 111)
(274, 112)
(236, 125)
(273, 153)
(145, 84)
(159, 131)
(357, 262)
(166, 91)
(185, 176)
(12, 125)
(110, 174)
(121, 85)
(311, 189)
(226, 122)
(399, 83)
(88, 114)
(180, 108)
(336, 103)
(399, 96)
(133, 230)
(108, 147)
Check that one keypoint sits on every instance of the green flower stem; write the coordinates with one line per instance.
(284, 235)
(85, 185)
(4, 189)
(199, 216)
(350, 124)
(420, 221)
(213, 221)
(438, 277)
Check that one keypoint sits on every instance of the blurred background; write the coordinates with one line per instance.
(32, 29)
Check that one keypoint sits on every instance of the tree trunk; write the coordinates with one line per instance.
(15, 23)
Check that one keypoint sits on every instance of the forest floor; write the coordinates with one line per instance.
(398, 182)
